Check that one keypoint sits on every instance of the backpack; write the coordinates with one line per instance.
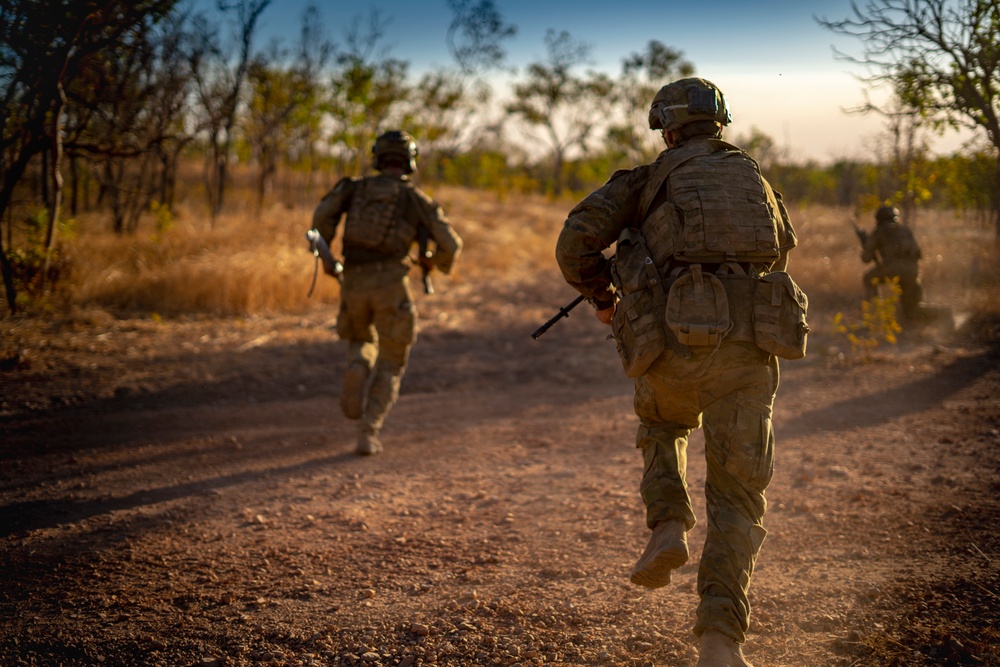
(372, 214)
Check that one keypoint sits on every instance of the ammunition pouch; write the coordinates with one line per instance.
(779, 316)
(731, 305)
(698, 309)
(637, 323)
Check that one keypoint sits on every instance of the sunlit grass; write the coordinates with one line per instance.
(259, 263)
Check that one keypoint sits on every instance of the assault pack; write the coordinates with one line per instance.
(372, 215)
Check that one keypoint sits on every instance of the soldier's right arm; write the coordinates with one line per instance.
(870, 248)
(327, 215)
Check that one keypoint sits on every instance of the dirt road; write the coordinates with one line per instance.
(185, 493)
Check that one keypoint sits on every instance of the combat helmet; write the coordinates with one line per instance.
(395, 143)
(887, 214)
(687, 100)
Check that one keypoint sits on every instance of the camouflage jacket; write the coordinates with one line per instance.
(891, 244)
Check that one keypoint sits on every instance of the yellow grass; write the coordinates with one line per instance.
(257, 264)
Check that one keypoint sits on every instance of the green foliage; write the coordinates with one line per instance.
(37, 272)
(163, 216)
(878, 324)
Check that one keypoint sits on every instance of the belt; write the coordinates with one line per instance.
(382, 265)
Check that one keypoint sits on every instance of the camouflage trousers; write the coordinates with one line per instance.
(730, 392)
(378, 320)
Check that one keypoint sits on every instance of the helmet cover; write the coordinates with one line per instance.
(395, 143)
(686, 100)
(887, 214)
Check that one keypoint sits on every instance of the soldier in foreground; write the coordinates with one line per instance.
(700, 307)
(385, 215)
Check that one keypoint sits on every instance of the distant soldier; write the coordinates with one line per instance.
(385, 215)
(701, 307)
(896, 254)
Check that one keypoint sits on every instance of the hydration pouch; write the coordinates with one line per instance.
(779, 313)
(697, 308)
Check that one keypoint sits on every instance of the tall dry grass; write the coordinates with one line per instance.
(250, 263)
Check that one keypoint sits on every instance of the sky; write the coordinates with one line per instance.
(772, 60)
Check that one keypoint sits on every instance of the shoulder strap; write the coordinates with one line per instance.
(672, 159)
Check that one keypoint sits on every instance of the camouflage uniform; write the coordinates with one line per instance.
(728, 387)
(896, 254)
(377, 314)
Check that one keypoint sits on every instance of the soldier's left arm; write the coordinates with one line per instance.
(787, 239)
(447, 241)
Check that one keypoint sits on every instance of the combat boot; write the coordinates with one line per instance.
(667, 550)
(368, 443)
(718, 650)
(352, 397)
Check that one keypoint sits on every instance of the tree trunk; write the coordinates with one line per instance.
(57, 180)
(8, 280)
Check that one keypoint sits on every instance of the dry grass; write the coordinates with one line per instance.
(258, 264)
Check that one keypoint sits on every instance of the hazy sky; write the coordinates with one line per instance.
(772, 60)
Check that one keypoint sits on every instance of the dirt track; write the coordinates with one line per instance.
(186, 494)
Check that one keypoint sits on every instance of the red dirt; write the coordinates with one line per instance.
(185, 493)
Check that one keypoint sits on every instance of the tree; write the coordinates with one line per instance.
(642, 75)
(220, 75)
(43, 46)
(475, 34)
(367, 87)
(940, 56)
(283, 96)
(562, 104)
(447, 105)
(129, 105)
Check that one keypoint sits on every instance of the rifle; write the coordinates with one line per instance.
(863, 237)
(321, 251)
(424, 258)
(563, 312)
(862, 234)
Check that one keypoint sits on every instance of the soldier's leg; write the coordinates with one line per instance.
(355, 325)
(667, 413)
(395, 322)
(739, 447)
(912, 295)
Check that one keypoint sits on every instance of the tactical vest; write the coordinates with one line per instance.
(712, 239)
(373, 216)
(724, 210)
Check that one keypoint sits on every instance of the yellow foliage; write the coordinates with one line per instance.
(878, 324)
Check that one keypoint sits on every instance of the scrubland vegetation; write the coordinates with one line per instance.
(250, 263)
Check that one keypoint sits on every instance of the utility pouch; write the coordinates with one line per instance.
(637, 326)
(697, 308)
(779, 313)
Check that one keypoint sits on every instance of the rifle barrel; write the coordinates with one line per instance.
(563, 312)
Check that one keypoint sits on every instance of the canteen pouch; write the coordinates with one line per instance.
(697, 309)
(779, 312)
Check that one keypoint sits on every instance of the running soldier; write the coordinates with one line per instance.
(385, 215)
(700, 306)
(896, 254)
